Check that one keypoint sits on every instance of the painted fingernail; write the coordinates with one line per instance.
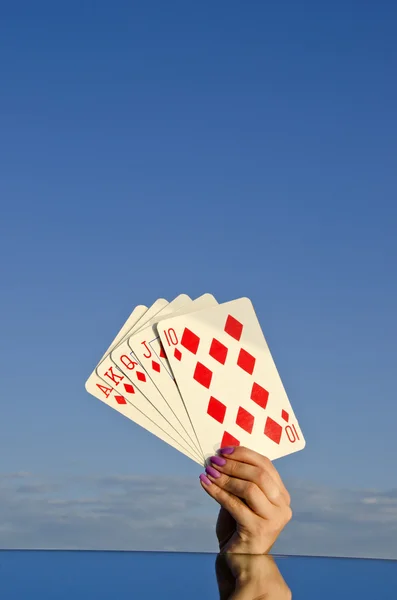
(213, 472)
(227, 450)
(218, 460)
(205, 479)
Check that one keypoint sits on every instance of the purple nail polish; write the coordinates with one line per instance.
(227, 450)
(218, 460)
(205, 479)
(213, 472)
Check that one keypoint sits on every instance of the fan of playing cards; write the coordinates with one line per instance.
(199, 375)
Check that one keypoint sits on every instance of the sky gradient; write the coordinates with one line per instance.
(149, 149)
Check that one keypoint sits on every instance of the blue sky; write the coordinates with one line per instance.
(242, 149)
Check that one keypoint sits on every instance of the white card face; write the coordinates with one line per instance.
(127, 389)
(229, 382)
(131, 412)
(144, 318)
(171, 308)
(129, 365)
(133, 320)
(136, 318)
(149, 353)
(111, 396)
(140, 316)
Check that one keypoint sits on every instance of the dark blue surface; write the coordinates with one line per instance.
(60, 575)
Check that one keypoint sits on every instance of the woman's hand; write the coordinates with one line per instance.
(255, 505)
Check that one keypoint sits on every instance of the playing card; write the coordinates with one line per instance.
(132, 380)
(146, 348)
(132, 366)
(111, 396)
(229, 382)
(135, 317)
(144, 317)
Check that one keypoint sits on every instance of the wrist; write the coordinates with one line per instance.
(252, 546)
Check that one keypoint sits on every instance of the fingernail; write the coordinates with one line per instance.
(227, 450)
(205, 479)
(218, 460)
(213, 472)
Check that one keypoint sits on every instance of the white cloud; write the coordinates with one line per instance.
(154, 513)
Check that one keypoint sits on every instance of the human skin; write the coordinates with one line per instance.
(250, 577)
(255, 504)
